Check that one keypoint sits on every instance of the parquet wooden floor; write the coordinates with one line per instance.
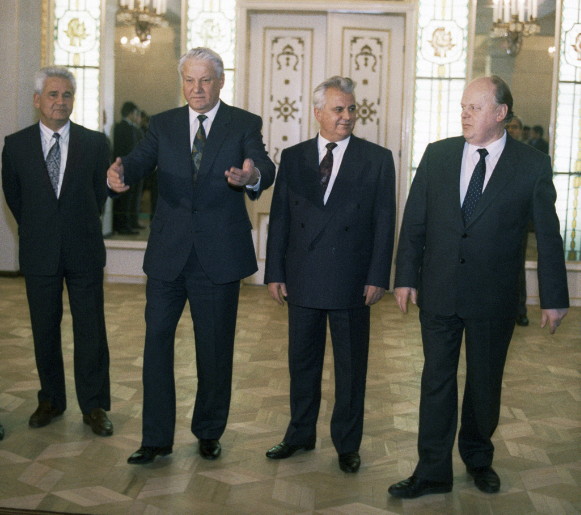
(65, 468)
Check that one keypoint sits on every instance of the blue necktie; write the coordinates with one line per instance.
(198, 146)
(475, 186)
(53, 163)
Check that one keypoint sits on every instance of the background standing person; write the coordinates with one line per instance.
(53, 175)
(209, 157)
(330, 243)
(126, 134)
(537, 139)
(459, 256)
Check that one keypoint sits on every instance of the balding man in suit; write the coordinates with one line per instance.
(459, 258)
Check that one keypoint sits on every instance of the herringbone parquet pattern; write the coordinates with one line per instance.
(65, 468)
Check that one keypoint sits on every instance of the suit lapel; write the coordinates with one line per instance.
(347, 178)
(348, 175)
(309, 170)
(451, 175)
(40, 163)
(218, 133)
(498, 181)
(73, 155)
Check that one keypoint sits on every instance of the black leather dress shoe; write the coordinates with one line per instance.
(413, 487)
(44, 414)
(522, 320)
(99, 422)
(209, 449)
(147, 454)
(284, 450)
(349, 462)
(485, 479)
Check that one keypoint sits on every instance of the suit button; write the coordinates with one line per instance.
(302, 226)
(462, 261)
(464, 235)
(346, 228)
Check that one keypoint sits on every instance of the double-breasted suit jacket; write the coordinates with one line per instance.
(212, 215)
(473, 271)
(327, 253)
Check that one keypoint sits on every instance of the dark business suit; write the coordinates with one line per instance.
(326, 254)
(467, 280)
(61, 239)
(126, 206)
(201, 236)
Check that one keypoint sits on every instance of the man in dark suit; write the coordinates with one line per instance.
(126, 135)
(209, 157)
(53, 175)
(330, 243)
(459, 257)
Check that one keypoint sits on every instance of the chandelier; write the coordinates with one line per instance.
(512, 20)
(143, 15)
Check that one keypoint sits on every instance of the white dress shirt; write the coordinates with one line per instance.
(470, 158)
(195, 123)
(338, 152)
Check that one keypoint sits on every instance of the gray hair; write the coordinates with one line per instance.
(204, 54)
(53, 71)
(344, 84)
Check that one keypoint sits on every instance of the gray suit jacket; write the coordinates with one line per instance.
(473, 271)
(326, 254)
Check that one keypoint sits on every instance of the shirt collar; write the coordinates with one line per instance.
(211, 114)
(322, 143)
(494, 149)
(47, 133)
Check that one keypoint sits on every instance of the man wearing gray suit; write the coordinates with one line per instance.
(459, 257)
(330, 243)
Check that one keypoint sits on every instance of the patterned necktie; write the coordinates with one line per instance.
(53, 163)
(475, 187)
(198, 146)
(326, 166)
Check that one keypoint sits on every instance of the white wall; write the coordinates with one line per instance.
(20, 22)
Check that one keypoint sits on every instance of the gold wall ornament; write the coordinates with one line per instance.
(441, 42)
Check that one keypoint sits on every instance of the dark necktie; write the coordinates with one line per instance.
(326, 166)
(475, 186)
(53, 163)
(198, 146)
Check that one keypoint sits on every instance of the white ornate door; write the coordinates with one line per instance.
(289, 54)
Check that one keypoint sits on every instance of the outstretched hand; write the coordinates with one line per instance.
(115, 177)
(247, 175)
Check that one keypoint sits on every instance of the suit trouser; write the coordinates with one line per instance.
(350, 337)
(91, 353)
(213, 309)
(487, 344)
